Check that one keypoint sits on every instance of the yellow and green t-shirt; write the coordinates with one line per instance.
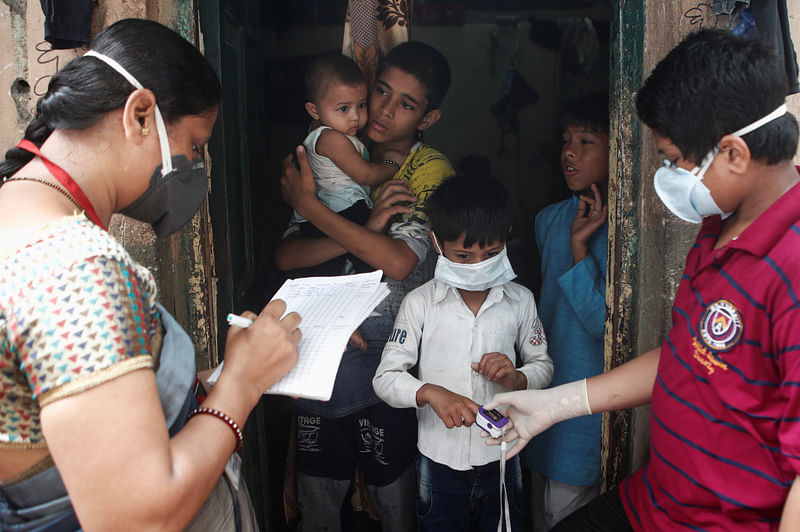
(423, 171)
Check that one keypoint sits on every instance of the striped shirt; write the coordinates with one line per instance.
(725, 418)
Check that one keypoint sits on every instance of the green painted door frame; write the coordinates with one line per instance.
(233, 43)
(647, 245)
(627, 58)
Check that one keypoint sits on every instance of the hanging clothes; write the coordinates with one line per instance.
(372, 28)
(67, 23)
(772, 24)
(575, 37)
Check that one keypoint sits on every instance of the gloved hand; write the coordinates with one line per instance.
(534, 411)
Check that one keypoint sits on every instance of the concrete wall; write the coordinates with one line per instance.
(26, 65)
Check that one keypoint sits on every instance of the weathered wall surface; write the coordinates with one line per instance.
(26, 65)
(627, 30)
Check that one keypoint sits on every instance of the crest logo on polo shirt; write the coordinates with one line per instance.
(721, 325)
(537, 336)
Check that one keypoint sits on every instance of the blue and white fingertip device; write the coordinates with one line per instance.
(492, 421)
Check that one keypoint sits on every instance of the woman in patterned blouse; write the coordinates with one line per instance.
(80, 329)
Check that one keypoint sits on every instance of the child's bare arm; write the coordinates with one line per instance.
(301, 252)
(338, 148)
(296, 251)
(453, 409)
(790, 518)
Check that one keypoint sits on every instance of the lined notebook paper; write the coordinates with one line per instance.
(331, 308)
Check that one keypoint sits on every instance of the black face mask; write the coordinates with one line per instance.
(171, 200)
(172, 197)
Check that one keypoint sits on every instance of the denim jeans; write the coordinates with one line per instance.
(455, 501)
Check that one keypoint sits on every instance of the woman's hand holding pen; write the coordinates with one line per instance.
(257, 356)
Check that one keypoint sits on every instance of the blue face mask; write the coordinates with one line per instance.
(684, 193)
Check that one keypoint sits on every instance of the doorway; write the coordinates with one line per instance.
(556, 50)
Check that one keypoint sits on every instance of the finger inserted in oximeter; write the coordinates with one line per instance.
(492, 421)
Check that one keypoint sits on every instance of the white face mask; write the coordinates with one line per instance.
(474, 277)
(684, 193)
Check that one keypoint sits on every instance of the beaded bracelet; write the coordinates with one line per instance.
(224, 417)
(393, 163)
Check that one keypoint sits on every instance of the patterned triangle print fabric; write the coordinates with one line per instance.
(75, 311)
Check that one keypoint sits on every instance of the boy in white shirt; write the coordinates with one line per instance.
(464, 331)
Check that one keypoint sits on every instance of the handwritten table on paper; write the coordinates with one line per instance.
(331, 309)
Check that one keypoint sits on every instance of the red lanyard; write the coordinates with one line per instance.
(64, 178)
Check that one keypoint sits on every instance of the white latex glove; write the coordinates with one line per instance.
(534, 411)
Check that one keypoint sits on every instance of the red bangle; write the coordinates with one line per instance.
(224, 417)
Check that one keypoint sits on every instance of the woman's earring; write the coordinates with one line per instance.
(145, 131)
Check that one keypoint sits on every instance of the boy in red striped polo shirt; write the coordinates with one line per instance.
(725, 385)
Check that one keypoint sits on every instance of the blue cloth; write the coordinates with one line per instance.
(572, 309)
(448, 499)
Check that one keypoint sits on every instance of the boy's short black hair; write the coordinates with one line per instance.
(425, 63)
(712, 84)
(589, 110)
(475, 205)
(327, 70)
